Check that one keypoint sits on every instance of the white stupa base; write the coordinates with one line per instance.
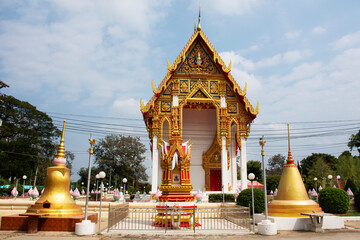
(302, 223)
(86, 227)
(266, 227)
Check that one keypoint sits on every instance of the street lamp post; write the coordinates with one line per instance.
(315, 179)
(101, 176)
(24, 178)
(91, 151)
(124, 182)
(262, 144)
(86, 227)
(330, 178)
(251, 177)
(97, 181)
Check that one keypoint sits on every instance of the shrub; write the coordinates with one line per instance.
(219, 197)
(244, 199)
(334, 200)
(357, 200)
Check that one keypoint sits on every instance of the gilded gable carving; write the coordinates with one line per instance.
(199, 94)
(165, 106)
(184, 86)
(229, 91)
(192, 84)
(198, 61)
(232, 108)
(168, 90)
(214, 87)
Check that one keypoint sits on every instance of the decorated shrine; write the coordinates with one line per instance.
(198, 122)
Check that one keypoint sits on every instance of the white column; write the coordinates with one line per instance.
(155, 165)
(175, 101)
(224, 172)
(234, 168)
(243, 162)
(222, 102)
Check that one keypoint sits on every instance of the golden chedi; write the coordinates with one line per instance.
(56, 199)
(292, 198)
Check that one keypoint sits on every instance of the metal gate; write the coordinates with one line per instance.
(208, 218)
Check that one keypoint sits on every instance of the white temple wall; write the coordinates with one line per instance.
(200, 127)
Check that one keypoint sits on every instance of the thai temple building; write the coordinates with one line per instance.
(198, 122)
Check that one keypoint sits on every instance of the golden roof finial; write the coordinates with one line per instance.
(194, 24)
(290, 158)
(198, 26)
(61, 149)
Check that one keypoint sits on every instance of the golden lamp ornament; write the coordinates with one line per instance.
(56, 199)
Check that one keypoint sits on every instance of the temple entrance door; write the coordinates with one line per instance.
(215, 179)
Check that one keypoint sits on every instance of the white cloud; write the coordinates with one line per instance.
(297, 55)
(293, 35)
(347, 41)
(287, 57)
(241, 69)
(254, 47)
(318, 30)
(78, 48)
(269, 62)
(126, 107)
(237, 60)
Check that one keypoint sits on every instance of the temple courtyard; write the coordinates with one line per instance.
(351, 231)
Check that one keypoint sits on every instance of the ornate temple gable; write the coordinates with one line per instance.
(198, 61)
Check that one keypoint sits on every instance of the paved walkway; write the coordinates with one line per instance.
(351, 232)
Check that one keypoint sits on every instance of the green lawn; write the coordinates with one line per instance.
(349, 214)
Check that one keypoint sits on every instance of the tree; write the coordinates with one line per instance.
(83, 173)
(308, 162)
(255, 168)
(26, 139)
(122, 155)
(348, 167)
(69, 160)
(276, 164)
(272, 182)
(355, 142)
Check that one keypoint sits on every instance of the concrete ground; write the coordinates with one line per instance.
(351, 231)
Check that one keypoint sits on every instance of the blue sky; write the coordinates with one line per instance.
(300, 60)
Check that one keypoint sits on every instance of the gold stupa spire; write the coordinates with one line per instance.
(61, 149)
(290, 159)
(292, 198)
(198, 26)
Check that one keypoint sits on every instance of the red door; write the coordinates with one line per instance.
(215, 179)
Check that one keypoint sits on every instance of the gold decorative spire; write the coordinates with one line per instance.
(198, 26)
(292, 198)
(290, 159)
(61, 149)
(92, 142)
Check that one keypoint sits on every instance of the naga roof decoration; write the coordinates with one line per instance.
(179, 61)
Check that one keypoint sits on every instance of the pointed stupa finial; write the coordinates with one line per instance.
(198, 26)
(290, 159)
(61, 149)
